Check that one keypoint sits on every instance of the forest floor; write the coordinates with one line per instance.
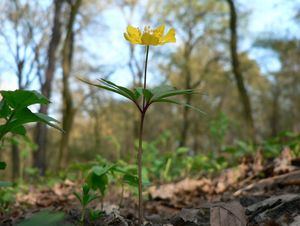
(257, 192)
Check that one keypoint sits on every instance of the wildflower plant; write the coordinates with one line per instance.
(144, 97)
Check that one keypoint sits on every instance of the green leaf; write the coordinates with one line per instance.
(131, 180)
(19, 130)
(2, 165)
(179, 103)
(5, 184)
(48, 120)
(85, 189)
(160, 94)
(77, 195)
(129, 93)
(25, 116)
(139, 91)
(109, 88)
(96, 181)
(4, 109)
(99, 170)
(44, 218)
(92, 197)
(19, 99)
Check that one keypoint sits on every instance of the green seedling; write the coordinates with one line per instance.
(95, 214)
(85, 198)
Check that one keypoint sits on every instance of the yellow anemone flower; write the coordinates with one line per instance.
(149, 37)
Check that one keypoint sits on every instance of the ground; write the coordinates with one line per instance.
(254, 193)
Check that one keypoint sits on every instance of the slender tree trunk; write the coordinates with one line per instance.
(68, 105)
(15, 162)
(237, 70)
(185, 122)
(188, 98)
(39, 156)
(274, 122)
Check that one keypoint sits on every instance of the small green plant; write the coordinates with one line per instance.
(85, 198)
(15, 113)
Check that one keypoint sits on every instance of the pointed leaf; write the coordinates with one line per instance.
(121, 88)
(77, 195)
(108, 88)
(179, 103)
(19, 99)
(170, 93)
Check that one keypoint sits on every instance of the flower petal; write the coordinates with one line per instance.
(169, 37)
(133, 35)
(133, 31)
(158, 32)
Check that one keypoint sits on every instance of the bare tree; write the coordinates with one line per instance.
(235, 63)
(39, 156)
(69, 110)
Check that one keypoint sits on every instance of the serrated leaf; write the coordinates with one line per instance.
(19, 99)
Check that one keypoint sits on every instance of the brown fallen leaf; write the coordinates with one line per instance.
(227, 214)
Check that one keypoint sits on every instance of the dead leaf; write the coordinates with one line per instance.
(228, 214)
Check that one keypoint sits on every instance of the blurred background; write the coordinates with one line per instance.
(242, 56)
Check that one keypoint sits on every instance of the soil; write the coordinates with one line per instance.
(254, 193)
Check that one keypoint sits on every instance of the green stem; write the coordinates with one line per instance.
(140, 149)
(82, 216)
(145, 75)
(140, 152)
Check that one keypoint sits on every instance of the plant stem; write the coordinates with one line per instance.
(140, 152)
(145, 75)
(82, 216)
(140, 149)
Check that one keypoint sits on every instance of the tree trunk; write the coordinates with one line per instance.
(39, 156)
(68, 105)
(274, 122)
(15, 162)
(188, 98)
(237, 71)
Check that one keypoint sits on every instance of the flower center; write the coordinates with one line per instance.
(148, 30)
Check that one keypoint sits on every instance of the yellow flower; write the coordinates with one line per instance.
(148, 36)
